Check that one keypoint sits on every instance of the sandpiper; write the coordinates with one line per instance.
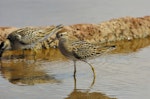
(75, 49)
(27, 38)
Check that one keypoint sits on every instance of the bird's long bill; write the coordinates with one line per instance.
(55, 30)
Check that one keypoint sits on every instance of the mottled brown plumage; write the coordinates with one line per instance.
(75, 49)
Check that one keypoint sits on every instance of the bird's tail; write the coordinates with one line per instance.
(105, 49)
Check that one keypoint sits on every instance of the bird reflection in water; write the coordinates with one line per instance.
(85, 93)
(28, 70)
(25, 73)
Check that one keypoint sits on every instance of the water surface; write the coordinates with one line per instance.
(122, 74)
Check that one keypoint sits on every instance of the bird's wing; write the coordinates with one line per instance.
(24, 35)
(19, 35)
(33, 35)
(83, 50)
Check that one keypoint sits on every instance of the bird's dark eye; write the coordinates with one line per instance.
(61, 35)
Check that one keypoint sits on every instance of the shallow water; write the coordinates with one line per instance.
(122, 74)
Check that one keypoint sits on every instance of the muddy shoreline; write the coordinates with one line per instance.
(124, 28)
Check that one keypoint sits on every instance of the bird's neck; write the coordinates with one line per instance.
(64, 43)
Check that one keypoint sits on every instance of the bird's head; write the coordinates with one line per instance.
(4, 46)
(62, 35)
(66, 36)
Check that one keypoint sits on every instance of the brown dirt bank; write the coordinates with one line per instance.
(125, 28)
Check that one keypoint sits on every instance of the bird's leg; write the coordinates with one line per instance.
(74, 75)
(75, 80)
(94, 75)
(74, 68)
